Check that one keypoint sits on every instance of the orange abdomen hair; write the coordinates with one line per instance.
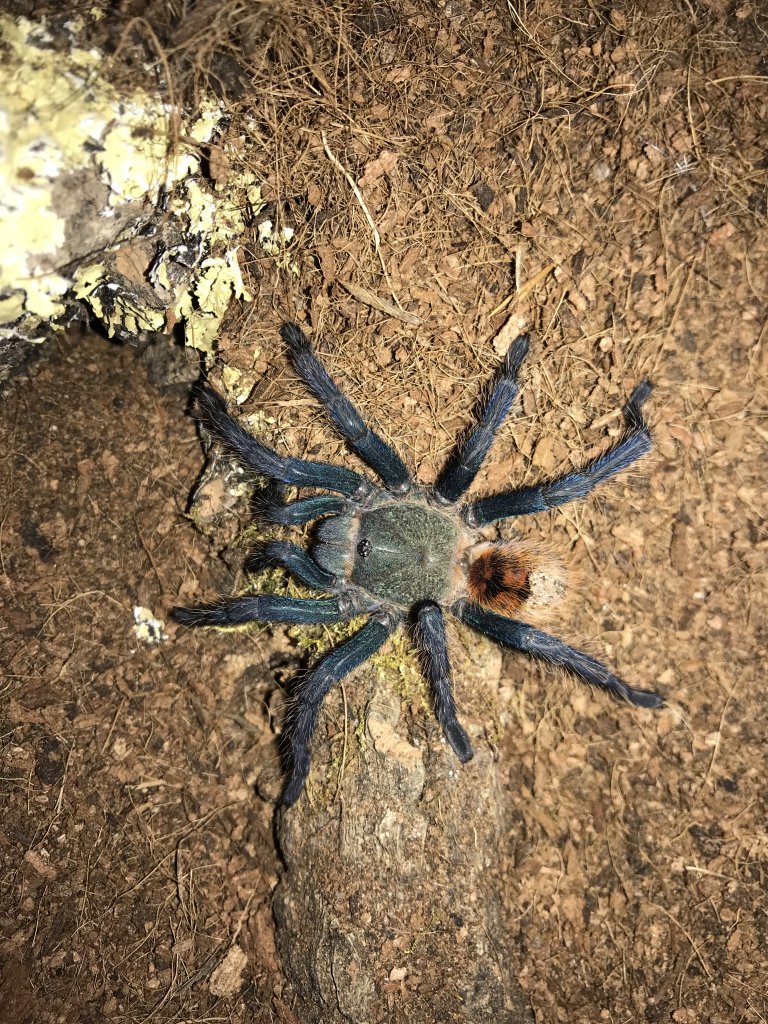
(498, 578)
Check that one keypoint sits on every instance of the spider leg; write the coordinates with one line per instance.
(465, 462)
(296, 513)
(267, 608)
(264, 460)
(296, 560)
(314, 688)
(634, 445)
(430, 639)
(522, 637)
(371, 448)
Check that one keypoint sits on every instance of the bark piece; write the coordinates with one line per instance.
(390, 908)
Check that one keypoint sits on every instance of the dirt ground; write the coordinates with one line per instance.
(597, 176)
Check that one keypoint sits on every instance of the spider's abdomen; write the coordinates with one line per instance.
(498, 578)
(508, 576)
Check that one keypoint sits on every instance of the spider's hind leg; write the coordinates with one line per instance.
(522, 637)
(430, 640)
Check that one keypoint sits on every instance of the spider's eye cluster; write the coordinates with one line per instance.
(364, 547)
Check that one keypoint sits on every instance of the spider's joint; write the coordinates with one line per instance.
(347, 605)
(365, 491)
(402, 488)
(436, 498)
(469, 515)
(387, 618)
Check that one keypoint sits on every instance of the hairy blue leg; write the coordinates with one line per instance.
(523, 637)
(314, 688)
(296, 513)
(464, 464)
(371, 448)
(264, 460)
(633, 446)
(430, 640)
(267, 608)
(296, 560)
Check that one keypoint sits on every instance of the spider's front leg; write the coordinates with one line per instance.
(371, 448)
(314, 688)
(267, 462)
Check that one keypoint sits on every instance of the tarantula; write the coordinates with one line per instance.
(408, 552)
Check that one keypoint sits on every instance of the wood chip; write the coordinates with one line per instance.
(369, 299)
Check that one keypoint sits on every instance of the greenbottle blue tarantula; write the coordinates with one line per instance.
(406, 551)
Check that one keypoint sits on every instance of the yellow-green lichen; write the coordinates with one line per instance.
(59, 117)
(124, 306)
(277, 243)
(360, 727)
(147, 628)
(204, 304)
(238, 385)
(398, 661)
(70, 142)
(318, 640)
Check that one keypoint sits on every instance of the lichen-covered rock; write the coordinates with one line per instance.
(104, 199)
